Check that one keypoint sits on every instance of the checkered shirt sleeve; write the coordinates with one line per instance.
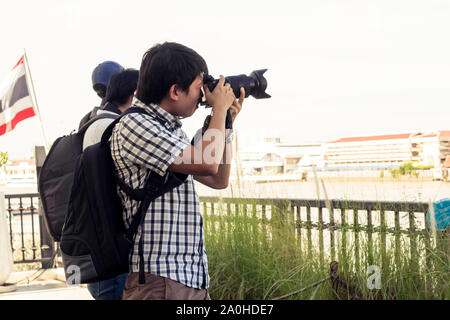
(145, 142)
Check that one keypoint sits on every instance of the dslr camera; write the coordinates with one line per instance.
(255, 85)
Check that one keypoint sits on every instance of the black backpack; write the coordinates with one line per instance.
(56, 176)
(88, 116)
(94, 237)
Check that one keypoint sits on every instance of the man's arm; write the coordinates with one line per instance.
(221, 179)
(204, 158)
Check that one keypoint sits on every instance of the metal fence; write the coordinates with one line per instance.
(395, 226)
(31, 242)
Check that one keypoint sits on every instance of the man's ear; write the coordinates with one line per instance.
(174, 92)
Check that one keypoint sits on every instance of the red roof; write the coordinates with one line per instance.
(441, 133)
(30, 162)
(429, 135)
(373, 138)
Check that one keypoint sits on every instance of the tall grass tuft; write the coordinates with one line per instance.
(261, 255)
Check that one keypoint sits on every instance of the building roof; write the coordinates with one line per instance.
(442, 133)
(373, 138)
(24, 162)
(445, 133)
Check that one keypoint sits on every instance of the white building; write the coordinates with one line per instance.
(273, 157)
(18, 172)
(386, 151)
(431, 148)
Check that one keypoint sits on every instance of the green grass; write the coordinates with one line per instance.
(252, 259)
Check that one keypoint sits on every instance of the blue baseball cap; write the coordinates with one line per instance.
(103, 72)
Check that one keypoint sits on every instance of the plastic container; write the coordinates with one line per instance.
(441, 214)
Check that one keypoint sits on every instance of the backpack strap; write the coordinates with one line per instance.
(108, 131)
(94, 112)
(154, 180)
(135, 194)
(83, 129)
(155, 186)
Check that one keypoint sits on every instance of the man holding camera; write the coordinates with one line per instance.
(173, 252)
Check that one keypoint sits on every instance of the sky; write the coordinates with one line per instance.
(335, 68)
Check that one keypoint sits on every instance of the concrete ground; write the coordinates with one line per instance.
(49, 285)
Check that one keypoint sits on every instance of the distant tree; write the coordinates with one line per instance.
(3, 158)
(395, 173)
(408, 168)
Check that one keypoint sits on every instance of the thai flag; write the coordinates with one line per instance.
(15, 99)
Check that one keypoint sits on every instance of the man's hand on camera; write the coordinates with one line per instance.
(236, 107)
(222, 97)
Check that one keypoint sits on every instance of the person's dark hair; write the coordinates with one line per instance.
(164, 65)
(121, 86)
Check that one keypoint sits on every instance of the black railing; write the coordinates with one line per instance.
(391, 222)
(30, 241)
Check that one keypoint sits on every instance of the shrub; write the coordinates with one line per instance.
(255, 258)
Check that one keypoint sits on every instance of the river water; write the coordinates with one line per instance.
(350, 189)
(411, 191)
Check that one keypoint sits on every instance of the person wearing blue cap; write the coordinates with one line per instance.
(101, 76)
(100, 80)
(115, 86)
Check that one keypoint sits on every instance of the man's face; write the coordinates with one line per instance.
(189, 99)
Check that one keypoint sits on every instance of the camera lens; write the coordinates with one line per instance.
(255, 84)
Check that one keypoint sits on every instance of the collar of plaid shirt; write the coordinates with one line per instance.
(170, 121)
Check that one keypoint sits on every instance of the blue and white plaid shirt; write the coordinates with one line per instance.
(173, 228)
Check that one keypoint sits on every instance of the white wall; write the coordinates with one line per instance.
(6, 259)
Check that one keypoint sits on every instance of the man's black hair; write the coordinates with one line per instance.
(164, 65)
(121, 86)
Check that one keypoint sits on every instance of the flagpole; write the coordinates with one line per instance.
(33, 97)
